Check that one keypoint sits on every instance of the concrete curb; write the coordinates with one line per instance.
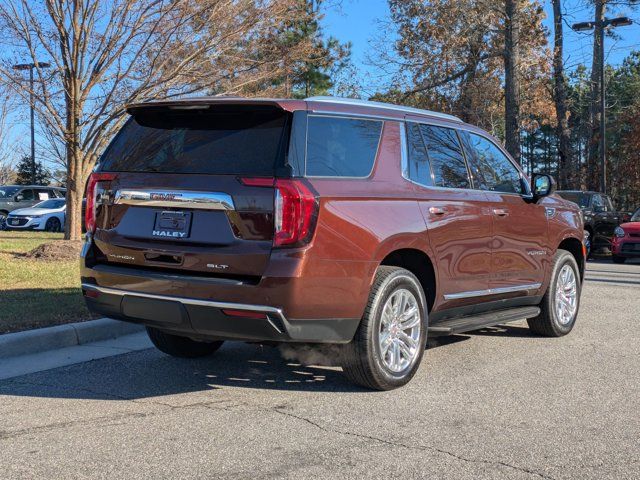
(61, 336)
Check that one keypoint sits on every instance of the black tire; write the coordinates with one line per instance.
(362, 360)
(3, 221)
(617, 259)
(548, 323)
(178, 346)
(53, 225)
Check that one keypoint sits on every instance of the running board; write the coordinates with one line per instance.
(476, 322)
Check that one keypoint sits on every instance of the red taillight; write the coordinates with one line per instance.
(295, 210)
(90, 207)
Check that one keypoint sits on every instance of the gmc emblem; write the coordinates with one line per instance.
(164, 196)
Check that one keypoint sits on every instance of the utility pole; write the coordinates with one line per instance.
(30, 67)
(600, 24)
(512, 78)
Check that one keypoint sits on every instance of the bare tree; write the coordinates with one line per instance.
(107, 53)
(484, 60)
(7, 150)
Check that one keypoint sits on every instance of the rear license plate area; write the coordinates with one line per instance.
(172, 225)
(163, 312)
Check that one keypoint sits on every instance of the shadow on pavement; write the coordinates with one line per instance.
(150, 373)
(504, 331)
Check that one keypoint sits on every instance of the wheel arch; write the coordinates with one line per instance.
(420, 264)
(576, 248)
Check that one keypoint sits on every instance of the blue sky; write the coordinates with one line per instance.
(355, 21)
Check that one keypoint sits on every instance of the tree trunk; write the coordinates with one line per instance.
(593, 169)
(75, 171)
(512, 83)
(563, 131)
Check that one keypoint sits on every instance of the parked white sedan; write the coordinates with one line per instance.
(47, 215)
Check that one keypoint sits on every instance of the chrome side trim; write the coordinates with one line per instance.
(175, 198)
(492, 291)
(193, 301)
(382, 105)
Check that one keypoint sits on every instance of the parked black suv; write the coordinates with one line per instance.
(600, 217)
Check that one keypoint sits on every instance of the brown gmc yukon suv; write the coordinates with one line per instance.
(323, 221)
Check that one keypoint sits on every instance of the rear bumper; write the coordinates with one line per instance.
(205, 319)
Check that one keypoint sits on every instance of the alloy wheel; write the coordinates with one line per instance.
(399, 335)
(566, 298)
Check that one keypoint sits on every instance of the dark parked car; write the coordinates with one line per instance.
(600, 217)
(323, 221)
(13, 197)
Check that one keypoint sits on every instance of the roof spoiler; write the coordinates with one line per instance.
(199, 103)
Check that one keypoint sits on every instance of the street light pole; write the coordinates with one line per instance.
(30, 67)
(600, 25)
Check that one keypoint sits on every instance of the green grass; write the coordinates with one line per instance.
(37, 293)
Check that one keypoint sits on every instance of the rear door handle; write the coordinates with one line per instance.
(501, 212)
(436, 211)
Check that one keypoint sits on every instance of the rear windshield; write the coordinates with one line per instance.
(234, 140)
(582, 199)
(8, 192)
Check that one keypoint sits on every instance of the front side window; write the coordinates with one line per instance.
(446, 158)
(27, 194)
(418, 169)
(490, 168)
(636, 216)
(341, 147)
(598, 203)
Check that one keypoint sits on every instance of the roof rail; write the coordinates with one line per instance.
(388, 106)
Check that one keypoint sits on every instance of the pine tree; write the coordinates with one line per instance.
(23, 176)
(309, 61)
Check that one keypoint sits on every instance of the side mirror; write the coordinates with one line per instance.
(19, 198)
(542, 186)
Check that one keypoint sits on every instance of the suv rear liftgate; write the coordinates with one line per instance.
(188, 203)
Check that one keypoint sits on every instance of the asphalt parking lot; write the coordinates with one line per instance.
(498, 403)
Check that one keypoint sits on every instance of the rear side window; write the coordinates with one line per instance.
(491, 169)
(44, 194)
(445, 155)
(341, 147)
(419, 170)
(221, 140)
